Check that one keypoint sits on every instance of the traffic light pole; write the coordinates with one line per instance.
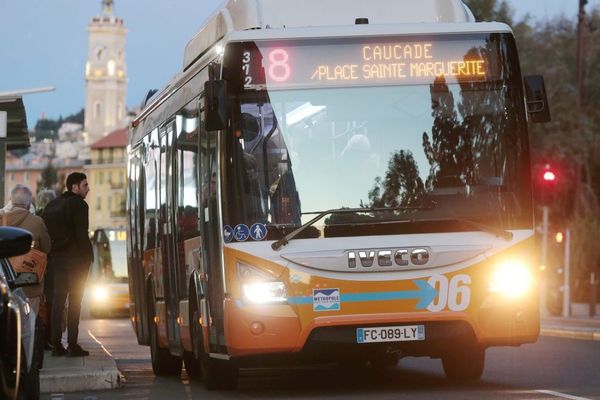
(545, 217)
(544, 257)
(566, 273)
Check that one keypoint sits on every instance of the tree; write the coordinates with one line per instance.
(491, 10)
(572, 140)
(401, 186)
(48, 179)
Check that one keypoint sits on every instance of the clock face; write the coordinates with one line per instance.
(100, 52)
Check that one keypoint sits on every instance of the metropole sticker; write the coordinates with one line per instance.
(258, 231)
(228, 233)
(241, 232)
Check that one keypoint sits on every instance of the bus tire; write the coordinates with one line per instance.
(192, 366)
(219, 374)
(465, 364)
(192, 360)
(163, 362)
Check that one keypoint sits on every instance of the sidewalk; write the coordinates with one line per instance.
(578, 326)
(63, 374)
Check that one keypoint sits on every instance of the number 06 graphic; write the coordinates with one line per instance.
(456, 293)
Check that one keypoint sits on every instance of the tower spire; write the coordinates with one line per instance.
(107, 6)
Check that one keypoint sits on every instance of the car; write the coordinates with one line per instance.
(20, 346)
(108, 290)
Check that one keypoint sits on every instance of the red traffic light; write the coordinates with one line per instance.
(549, 176)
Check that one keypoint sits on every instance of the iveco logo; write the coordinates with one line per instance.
(387, 258)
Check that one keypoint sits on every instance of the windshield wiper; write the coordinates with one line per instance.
(320, 214)
(498, 232)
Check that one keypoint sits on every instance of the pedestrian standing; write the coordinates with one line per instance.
(44, 197)
(20, 215)
(67, 218)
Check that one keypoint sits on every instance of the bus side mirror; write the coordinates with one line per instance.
(215, 95)
(535, 95)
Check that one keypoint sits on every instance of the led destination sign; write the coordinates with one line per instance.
(347, 63)
(399, 62)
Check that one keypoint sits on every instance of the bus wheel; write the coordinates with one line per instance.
(219, 374)
(192, 359)
(192, 366)
(464, 364)
(163, 363)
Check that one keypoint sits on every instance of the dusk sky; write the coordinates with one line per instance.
(44, 43)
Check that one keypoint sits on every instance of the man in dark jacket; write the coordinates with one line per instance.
(69, 259)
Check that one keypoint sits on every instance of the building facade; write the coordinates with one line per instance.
(28, 171)
(105, 75)
(107, 177)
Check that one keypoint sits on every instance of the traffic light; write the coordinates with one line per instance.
(549, 174)
(555, 185)
(548, 178)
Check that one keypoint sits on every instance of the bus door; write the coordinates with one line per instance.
(210, 231)
(134, 242)
(167, 235)
(187, 188)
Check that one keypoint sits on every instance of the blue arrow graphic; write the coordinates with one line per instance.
(425, 294)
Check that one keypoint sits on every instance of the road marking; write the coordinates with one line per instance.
(562, 395)
(571, 334)
(100, 343)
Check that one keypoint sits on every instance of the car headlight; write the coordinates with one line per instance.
(99, 293)
(259, 287)
(511, 278)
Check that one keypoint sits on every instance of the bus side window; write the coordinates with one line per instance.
(152, 153)
(187, 188)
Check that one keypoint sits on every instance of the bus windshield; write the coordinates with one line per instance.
(432, 130)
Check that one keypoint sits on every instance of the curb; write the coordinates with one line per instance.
(98, 371)
(75, 380)
(571, 334)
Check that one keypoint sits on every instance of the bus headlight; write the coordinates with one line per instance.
(99, 293)
(511, 278)
(259, 287)
(265, 292)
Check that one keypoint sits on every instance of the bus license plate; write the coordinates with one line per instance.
(390, 334)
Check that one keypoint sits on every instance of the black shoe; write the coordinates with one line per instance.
(75, 350)
(59, 350)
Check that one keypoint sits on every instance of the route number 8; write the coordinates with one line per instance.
(279, 70)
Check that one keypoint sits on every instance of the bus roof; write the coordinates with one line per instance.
(237, 15)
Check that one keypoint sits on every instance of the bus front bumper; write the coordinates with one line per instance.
(277, 329)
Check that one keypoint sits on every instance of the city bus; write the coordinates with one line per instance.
(344, 186)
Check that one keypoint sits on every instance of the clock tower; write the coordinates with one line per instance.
(105, 75)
